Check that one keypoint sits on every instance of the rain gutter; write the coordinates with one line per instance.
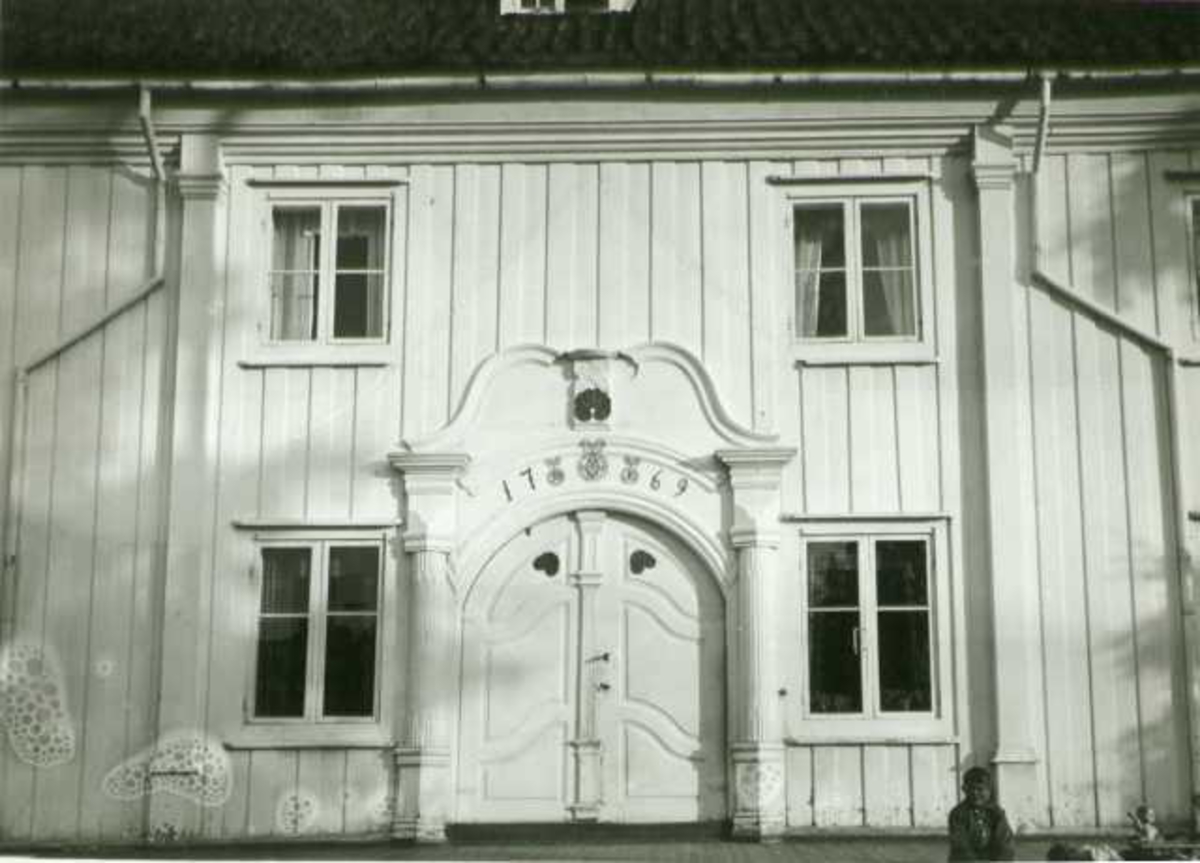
(597, 80)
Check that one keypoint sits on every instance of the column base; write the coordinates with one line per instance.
(1018, 789)
(586, 806)
(747, 828)
(420, 831)
(422, 795)
(759, 806)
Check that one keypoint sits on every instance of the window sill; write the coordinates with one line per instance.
(333, 735)
(830, 732)
(311, 356)
(859, 353)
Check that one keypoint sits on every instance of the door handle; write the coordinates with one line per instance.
(600, 657)
(603, 687)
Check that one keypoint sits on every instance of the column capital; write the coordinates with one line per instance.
(755, 477)
(201, 187)
(994, 166)
(752, 536)
(201, 174)
(763, 460)
(448, 465)
(417, 541)
(993, 177)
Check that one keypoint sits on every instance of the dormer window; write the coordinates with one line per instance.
(559, 7)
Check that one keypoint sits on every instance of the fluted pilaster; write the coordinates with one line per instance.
(757, 751)
(423, 779)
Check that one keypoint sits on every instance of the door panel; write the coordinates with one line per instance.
(518, 687)
(662, 723)
(653, 625)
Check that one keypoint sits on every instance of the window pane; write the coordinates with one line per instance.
(280, 677)
(886, 235)
(821, 299)
(832, 574)
(353, 578)
(294, 306)
(358, 306)
(820, 237)
(900, 577)
(889, 307)
(350, 665)
(285, 580)
(835, 682)
(904, 678)
(360, 238)
(297, 239)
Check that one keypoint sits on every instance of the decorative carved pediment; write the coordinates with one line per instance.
(655, 391)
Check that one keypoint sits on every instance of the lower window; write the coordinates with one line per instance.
(869, 619)
(317, 644)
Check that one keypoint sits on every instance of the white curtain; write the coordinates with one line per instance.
(294, 276)
(889, 233)
(808, 273)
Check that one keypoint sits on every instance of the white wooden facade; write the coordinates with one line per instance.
(1039, 436)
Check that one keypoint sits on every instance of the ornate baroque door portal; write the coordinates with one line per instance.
(575, 669)
(593, 679)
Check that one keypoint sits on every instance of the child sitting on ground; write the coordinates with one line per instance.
(978, 826)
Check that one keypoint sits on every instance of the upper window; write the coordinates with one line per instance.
(328, 271)
(318, 632)
(861, 286)
(855, 270)
(875, 630)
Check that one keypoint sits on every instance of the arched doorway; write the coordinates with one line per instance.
(593, 672)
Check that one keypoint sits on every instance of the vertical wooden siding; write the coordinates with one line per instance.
(879, 439)
(580, 255)
(871, 785)
(1114, 228)
(871, 437)
(76, 242)
(306, 443)
(1115, 730)
(590, 254)
(1116, 712)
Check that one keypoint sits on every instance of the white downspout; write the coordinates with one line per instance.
(160, 177)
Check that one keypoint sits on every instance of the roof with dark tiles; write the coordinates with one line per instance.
(214, 38)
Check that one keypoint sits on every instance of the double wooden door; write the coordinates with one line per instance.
(592, 679)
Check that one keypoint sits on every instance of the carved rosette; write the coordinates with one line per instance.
(594, 377)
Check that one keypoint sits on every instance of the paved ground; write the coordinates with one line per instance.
(825, 850)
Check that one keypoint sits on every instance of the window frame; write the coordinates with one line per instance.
(313, 728)
(1191, 207)
(873, 723)
(852, 193)
(328, 199)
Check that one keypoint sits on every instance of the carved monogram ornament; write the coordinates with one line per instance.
(593, 463)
